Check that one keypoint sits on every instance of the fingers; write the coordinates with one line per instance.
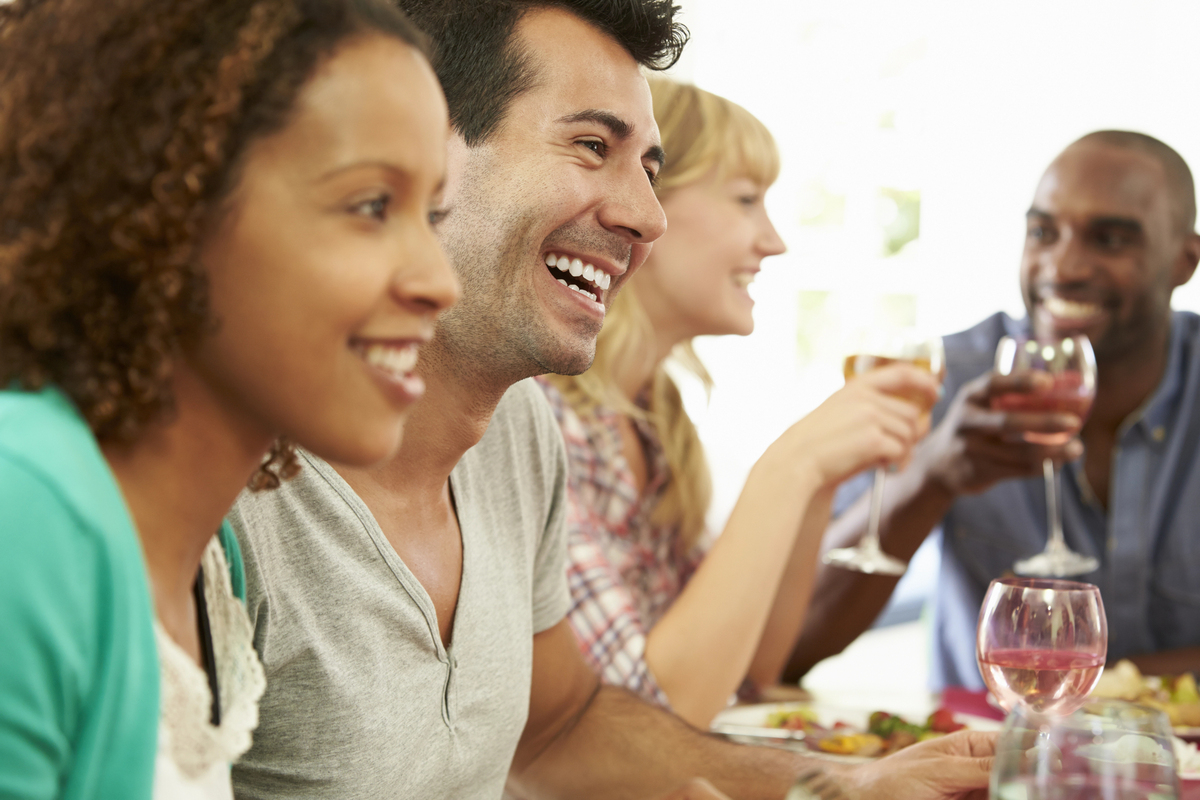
(902, 380)
(977, 744)
(995, 385)
(962, 774)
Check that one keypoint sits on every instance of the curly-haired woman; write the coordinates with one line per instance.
(215, 238)
(655, 608)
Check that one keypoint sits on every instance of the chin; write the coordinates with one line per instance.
(573, 359)
(362, 449)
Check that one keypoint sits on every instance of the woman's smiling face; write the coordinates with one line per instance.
(695, 281)
(325, 274)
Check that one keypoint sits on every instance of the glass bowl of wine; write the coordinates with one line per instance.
(1041, 643)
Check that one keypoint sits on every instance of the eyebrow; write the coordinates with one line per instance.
(1130, 225)
(1126, 223)
(617, 127)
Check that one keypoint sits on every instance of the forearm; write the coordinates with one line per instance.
(845, 603)
(699, 652)
(622, 748)
(795, 592)
(1169, 662)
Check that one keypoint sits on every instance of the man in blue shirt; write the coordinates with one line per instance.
(1109, 236)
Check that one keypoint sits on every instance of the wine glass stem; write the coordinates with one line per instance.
(871, 540)
(1053, 515)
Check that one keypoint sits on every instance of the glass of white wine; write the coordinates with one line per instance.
(878, 349)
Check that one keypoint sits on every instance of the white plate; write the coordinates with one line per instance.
(748, 724)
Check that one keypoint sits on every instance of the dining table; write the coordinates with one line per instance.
(969, 706)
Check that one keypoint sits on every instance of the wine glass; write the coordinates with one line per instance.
(1073, 366)
(876, 350)
(1108, 749)
(1041, 643)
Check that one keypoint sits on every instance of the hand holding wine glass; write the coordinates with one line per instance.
(1072, 367)
(1041, 643)
(880, 350)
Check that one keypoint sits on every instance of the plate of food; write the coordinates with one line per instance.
(840, 734)
(1174, 695)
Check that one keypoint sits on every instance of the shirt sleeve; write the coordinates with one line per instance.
(49, 593)
(550, 596)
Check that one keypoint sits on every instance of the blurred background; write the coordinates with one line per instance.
(912, 136)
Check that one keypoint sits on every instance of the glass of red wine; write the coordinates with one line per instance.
(1041, 643)
(1071, 363)
(1109, 750)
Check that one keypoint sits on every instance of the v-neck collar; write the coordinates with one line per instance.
(408, 581)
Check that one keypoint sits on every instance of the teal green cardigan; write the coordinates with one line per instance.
(78, 666)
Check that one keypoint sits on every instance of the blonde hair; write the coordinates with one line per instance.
(704, 135)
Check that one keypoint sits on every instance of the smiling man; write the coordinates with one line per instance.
(411, 617)
(1109, 236)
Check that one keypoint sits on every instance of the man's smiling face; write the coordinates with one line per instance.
(552, 213)
(1102, 253)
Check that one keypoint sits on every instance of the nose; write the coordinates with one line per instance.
(769, 242)
(631, 208)
(1067, 261)
(423, 279)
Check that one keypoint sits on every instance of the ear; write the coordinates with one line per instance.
(1189, 256)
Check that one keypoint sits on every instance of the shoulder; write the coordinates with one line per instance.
(1186, 324)
(53, 477)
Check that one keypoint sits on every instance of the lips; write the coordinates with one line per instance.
(393, 366)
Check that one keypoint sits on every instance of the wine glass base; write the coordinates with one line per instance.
(1060, 564)
(870, 561)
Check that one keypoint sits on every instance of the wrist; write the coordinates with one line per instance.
(816, 784)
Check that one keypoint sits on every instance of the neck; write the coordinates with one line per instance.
(634, 375)
(180, 478)
(449, 420)
(1123, 384)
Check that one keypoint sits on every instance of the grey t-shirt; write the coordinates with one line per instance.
(362, 699)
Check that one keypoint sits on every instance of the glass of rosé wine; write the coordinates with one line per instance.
(1071, 363)
(874, 350)
(1041, 643)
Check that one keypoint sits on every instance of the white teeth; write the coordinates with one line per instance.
(578, 269)
(1069, 309)
(564, 283)
(397, 360)
(743, 279)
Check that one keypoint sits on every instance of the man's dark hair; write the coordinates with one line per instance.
(482, 68)
(1179, 178)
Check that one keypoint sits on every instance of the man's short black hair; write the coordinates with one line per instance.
(1179, 178)
(483, 70)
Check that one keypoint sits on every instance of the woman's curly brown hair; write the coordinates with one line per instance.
(121, 127)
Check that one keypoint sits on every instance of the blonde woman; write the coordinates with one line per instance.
(657, 606)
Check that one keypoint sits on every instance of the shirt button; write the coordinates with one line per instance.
(1159, 433)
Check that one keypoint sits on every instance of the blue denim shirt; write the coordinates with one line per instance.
(1148, 542)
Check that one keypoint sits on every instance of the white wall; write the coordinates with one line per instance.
(980, 97)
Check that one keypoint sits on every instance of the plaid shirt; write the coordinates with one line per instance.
(624, 571)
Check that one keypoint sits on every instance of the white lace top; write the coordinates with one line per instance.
(194, 756)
